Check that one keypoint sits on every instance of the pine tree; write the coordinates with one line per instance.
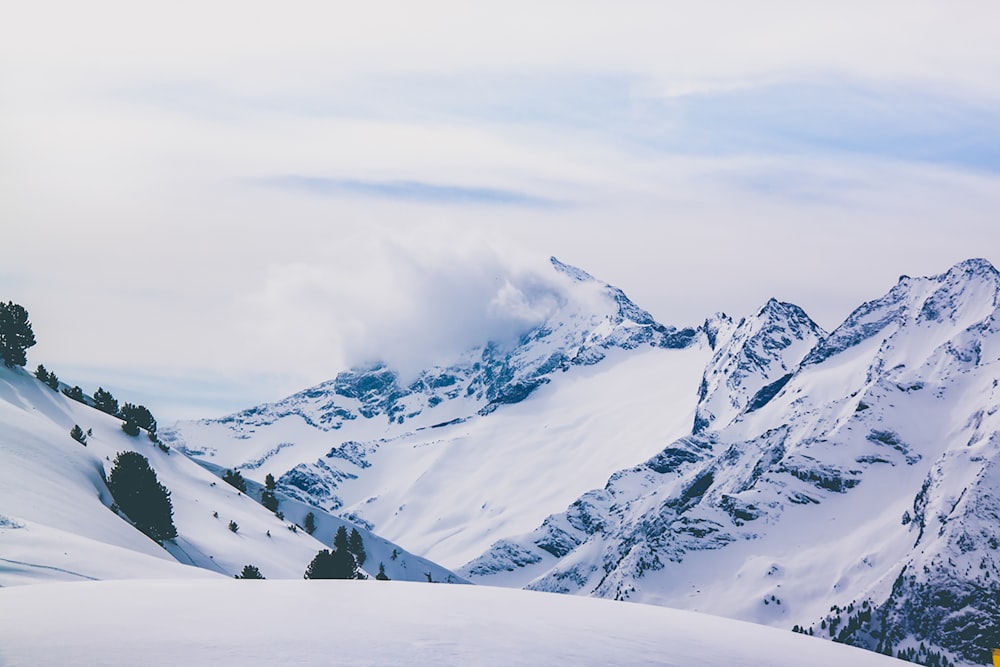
(53, 381)
(340, 541)
(235, 479)
(42, 374)
(131, 428)
(75, 393)
(357, 546)
(250, 572)
(269, 500)
(77, 434)
(138, 415)
(141, 497)
(345, 563)
(321, 567)
(16, 335)
(105, 402)
(381, 576)
(310, 523)
(269, 482)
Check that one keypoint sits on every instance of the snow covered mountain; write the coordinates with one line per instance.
(57, 521)
(434, 462)
(856, 497)
(844, 483)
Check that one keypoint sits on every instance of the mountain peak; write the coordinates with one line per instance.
(576, 274)
(783, 310)
(964, 295)
(974, 266)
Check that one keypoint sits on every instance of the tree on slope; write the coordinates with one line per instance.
(310, 523)
(250, 572)
(235, 479)
(340, 541)
(357, 546)
(75, 393)
(345, 561)
(269, 500)
(16, 335)
(105, 401)
(321, 567)
(138, 415)
(141, 497)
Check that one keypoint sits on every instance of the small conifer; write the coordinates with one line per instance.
(250, 572)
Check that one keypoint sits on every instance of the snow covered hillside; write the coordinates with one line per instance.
(56, 522)
(228, 623)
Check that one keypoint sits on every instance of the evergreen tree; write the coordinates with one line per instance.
(16, 335)
(53, 381)
(75, 393)
(233, 526)
(357, 546)
(269, 482)
(381, 576)
(250, 572)
(310, 523)
(77, 434)
(344, 565)
(42, 374)
(141, 497)
(321, 567)
(105, 402)
(269, 500)
(131, 428)
(235, 479)
(138, 415)
(340, 541)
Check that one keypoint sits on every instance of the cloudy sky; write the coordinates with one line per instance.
(206, 205)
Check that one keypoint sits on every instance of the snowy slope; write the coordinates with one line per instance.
(859, 499)
(229, 623)
(56, 522)
(487, 446)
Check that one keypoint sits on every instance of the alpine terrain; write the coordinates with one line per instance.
(843, 484)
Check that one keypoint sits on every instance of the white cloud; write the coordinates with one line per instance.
(138, 141)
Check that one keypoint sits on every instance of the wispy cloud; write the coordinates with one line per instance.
(837, 118)
(410, 191)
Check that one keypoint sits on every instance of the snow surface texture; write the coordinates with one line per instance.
(56, 521)
(223, 623)
(847, 483)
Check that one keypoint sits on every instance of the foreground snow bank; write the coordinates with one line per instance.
(228, 622)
